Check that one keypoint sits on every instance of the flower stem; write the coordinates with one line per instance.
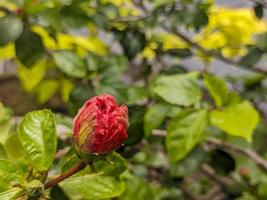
(76, 168)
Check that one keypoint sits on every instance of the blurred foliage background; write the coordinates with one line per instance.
(192, 72)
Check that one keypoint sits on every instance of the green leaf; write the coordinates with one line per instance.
(5, 123)
(12, 194)
(69, 160)
(10, 28)
(113, 165)
(178, 89)
(237, 120)
(9, 173)
(70, 63)
(29, 48)
(136, 95)
(36, 72)
(261, 42)
(46, 90)
(217, 88)
(92, 187)
(184, 132)
(2, 152)
(11, 142)
(258, 9)
(155, 116)
(37, 133)
(137, 189)
(190, 164)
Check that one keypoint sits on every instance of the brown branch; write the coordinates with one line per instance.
(76, 168)
(253, 155)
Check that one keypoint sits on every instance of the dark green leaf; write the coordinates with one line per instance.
(11, 28)
(189, 164)
(58, 194)
(155, 116)
(251, 58)
(180, 52)
(258, 9)
(135, 130)
(261, 42)
(184, 132)
(92, 187)
(29, 48)
(37, 133)
(70, 63)
(113, 165)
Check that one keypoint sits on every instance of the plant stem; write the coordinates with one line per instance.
(76, 168)
(92, 167)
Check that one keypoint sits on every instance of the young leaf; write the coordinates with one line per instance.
(9, 173)
(155, 116)
(178, 89)
(37, 133)
(29, 48)
(92, 187)
(70, 63)
(238, 120)
(184, 132)
(10, 28)
(12, 194)
(217, 88)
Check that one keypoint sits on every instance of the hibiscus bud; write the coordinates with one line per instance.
(100, 125)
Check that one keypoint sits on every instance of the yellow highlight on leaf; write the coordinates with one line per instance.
(171, 41)
(8, 51)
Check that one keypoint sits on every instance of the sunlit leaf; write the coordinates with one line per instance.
(217, 88)
(92, 187)
(178, 89)
(38, 137)
(237, 120)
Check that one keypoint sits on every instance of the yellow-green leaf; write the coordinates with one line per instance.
(238, 120)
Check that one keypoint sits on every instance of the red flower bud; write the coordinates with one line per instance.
(100, 125)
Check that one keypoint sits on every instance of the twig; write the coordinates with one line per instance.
(243, 151)
(214, 54)
(253, 155)
(76, 168)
